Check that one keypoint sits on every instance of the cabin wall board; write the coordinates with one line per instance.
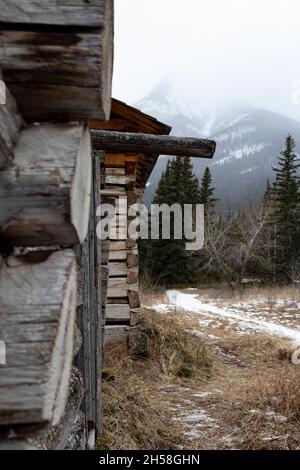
(42, 297)
(51, 54)
(10, 125)
(45, 192)
(54, 12)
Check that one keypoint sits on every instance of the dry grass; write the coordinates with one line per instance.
(134, 415)
(249, 293)
(258, 403)
(260, 393)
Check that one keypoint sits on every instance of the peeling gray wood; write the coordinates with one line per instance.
(118, 142)
(37, 314)
(45, 193)
(92, 320)
(119, 334)
(10, 125)
(58, 73)
(117, 313)
(118, 269)
(53, 12)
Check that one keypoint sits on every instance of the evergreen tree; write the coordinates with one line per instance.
(268, 193)
(286, 218)
(207, 192)
(167, 261)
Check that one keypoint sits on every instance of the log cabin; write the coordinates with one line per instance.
(65, 148)
(125, 177)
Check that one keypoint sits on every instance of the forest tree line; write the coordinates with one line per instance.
(259, 243)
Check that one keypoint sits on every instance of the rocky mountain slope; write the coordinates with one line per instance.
(248, 143)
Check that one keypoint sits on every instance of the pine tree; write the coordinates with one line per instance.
(286, 199)
(167, 261)
(207, 192)
(267, 197)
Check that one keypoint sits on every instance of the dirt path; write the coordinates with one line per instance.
(253, 399)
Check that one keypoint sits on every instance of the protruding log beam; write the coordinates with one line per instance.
(117, 142)
(37, 313)
(45, 192)
(10, 124)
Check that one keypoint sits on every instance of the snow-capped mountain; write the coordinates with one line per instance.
(248, 143)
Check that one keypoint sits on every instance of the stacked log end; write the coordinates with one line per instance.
(56, 57)
(45, 191)
(37, 325)
(122, 304)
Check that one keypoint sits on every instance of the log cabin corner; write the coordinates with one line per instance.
(65, 148)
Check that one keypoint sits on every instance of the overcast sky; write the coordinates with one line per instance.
(217, 52)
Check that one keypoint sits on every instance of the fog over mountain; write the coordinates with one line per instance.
(248, 142)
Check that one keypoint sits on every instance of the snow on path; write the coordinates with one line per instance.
(190, 303)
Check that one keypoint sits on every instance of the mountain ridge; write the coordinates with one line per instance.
(248, 139)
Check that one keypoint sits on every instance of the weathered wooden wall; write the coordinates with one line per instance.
(56, 57)
(56, 61)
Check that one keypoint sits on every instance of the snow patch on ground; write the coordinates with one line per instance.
(245, 321)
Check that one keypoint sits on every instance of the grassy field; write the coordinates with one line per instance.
(207, 385)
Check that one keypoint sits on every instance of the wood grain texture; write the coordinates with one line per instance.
(59, 73)
(53, 12)
(45, 193)
(118, 287)
(118, 142)
(118, 269)
(133, 297)
(117, 313)
(119, 334)
(37, 314)
(10, 125)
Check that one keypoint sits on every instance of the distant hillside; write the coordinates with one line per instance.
(248, 143)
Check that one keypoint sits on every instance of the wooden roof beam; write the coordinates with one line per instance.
(125, 142)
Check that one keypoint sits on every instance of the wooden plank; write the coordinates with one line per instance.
(117, 246)
(119, 160)
(53, 12)
(117, 287)
(133, 297)
(130, 243)
(10, 125)
(115, 334)
(117, 313)
(114, 125)
(132, 259)
(92, 321)
(130, 255)
(135, 314)
(45, 193)
(118, 334)
(133, 275)
(115, 171)
(59, 73)
(61, 102)
(40, 301)
(113, 191)
(121, 180)
(118, 269)
(111, 141)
